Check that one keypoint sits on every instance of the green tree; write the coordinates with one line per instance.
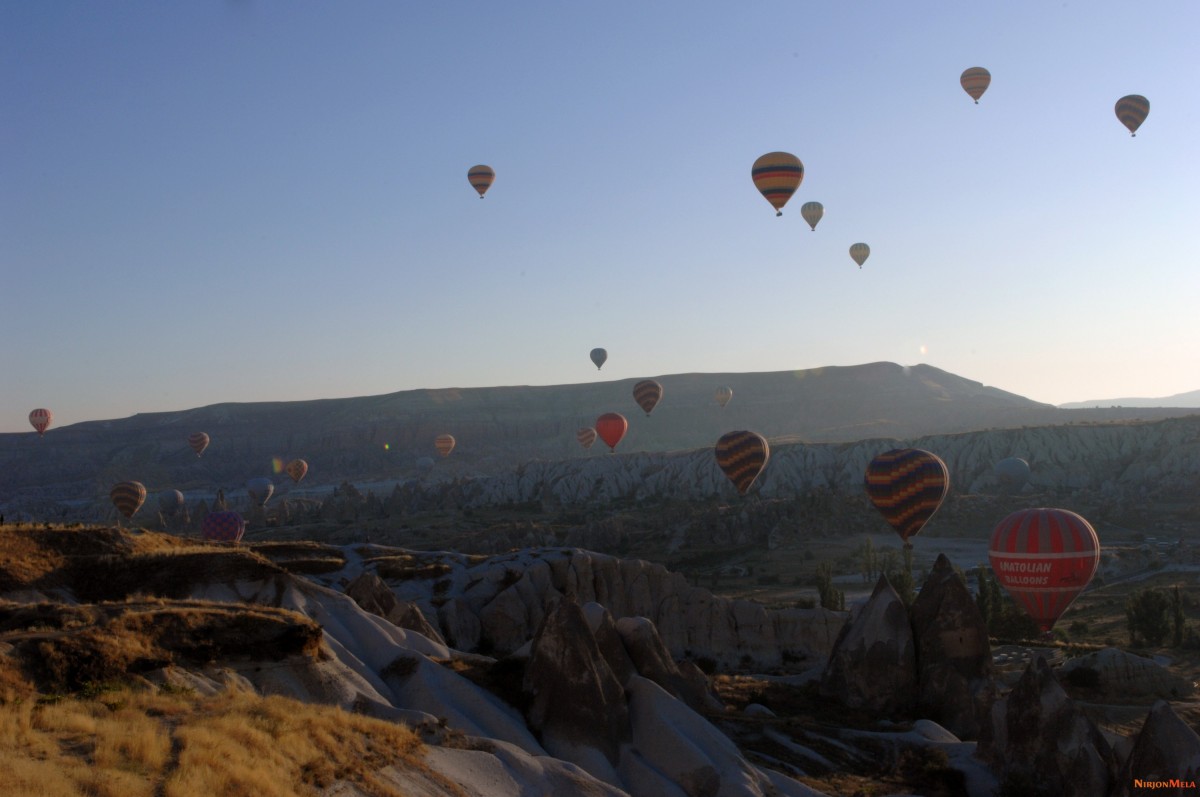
(870, 560)
(1147, 613)
(831, 597)
(1177, 618)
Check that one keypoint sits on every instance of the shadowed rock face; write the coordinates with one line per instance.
(1166, 749)
(954, 657)
(874, 665)
(369, 592)
(1038, 733)
(576, 700)
(1119, 676)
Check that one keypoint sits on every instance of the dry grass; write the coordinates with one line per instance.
(149, 742)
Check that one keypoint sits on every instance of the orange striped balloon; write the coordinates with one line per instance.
(41, 419)
(198, 442)
(742, 456)
(975, 81)
(586, 436)
(481, 178)
(647, 394)
(128, 497)
(1132, 110)
(296, 469)
(444, 443)
(777, 175)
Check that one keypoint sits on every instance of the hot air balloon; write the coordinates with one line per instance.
(260, 489)
(1044, 558)
(742, 456)
(611, 427)
(777, 175)
(586, 436)
(128, 497)
(296, 469)
(812, 213)
(975, 81)
(170, 502)
(424, 464)
(481, 178)
(444, 443)
(860, 253)
(1012, 473)
(647, 394)
(198, 442)
(223, 527)
(907, 485)
(723, 395)
(599, 356)
(1132, 110)
(41, 419)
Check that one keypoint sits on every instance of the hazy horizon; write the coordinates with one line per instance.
(243, 202)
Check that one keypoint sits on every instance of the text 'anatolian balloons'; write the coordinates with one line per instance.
(1044, 558)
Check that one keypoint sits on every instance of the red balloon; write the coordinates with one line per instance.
(1044, 558)
(611, 426)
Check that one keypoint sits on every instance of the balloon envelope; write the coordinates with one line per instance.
(481, 178)
(296, 469)
(777, 175)
(444, 443)
(611, 427)
(222, 527)
(975, 81)
(1012, 473)
(260, 489)
(1132, 110)
(1044, 558)
(170, 502)
(812, 213)
(907, 485)
(198, 441)
(586, 436)
(424, 464)
(742, 456)
(128, 497)
(723, 395)
(647, 394)
(41, 419)
(599, 356)
(860, 253)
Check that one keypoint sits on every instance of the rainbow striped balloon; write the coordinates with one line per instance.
(128, 497)
(1044, 558)
(975, 81)
(647, 394)
(481, 178)
(223, 527)
(1132, 110)
(907, 485)
(777, 175)
(742, 456)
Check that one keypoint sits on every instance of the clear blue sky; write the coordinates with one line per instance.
(240, 201)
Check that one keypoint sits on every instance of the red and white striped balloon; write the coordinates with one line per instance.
(41, 419)
(1044, 558)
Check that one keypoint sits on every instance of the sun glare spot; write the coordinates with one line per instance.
(276, 464)
(387, 447)
(924, 349)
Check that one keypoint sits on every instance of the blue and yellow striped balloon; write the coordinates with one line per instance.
(742, 456)
(907, 485)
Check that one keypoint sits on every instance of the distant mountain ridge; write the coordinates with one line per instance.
(381, 438)
(1188, 399)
